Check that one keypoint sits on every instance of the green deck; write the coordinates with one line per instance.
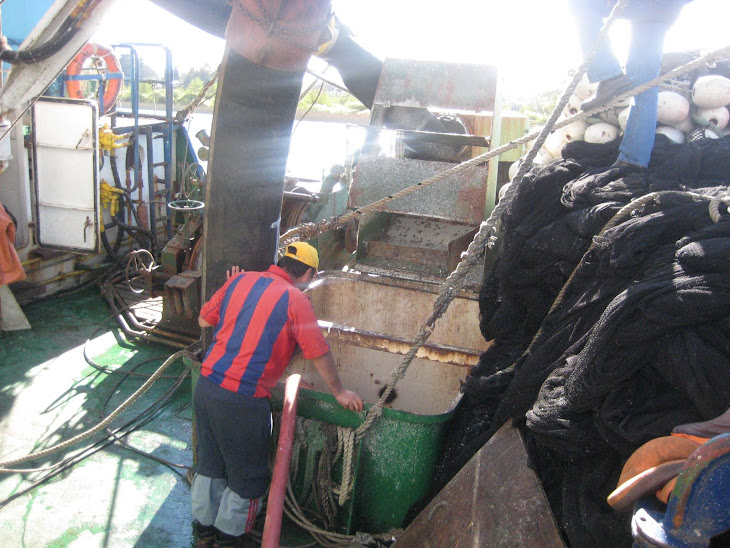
(116, 497)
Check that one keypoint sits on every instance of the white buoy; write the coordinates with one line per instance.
(610, 116)
(672, 132)
(542, 157)
(585, 89)
(574, 131)
(555, 143)
(685, 126)
(718, 117)
(573, 106)
(503, 190)
(711, 91)
(623, 117)
(672, 108)
(513, 169)
(601, 133)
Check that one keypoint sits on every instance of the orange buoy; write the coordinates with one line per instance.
(113, 86)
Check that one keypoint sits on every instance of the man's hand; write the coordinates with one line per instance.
(349, 400)
(325, 364)
(234, 271)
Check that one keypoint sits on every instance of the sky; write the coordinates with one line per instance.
(532, 41)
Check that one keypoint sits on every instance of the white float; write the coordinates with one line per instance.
(718, 117)
(503, 190)
(685, 126)
(542, 157)
(672, 132)
(585, 89)
(513, 169)
(555, 142)
(574, 131)
(601, 133)
(672, 108)
(623, 117)
(711, 91)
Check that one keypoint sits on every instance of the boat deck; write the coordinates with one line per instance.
(114, 497)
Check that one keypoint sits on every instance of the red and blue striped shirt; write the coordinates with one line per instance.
(259, 319)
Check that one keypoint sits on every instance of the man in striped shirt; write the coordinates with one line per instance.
(260, 318)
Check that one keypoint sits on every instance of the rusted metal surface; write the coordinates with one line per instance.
(389, 311)
(442, 353)
(181, 293)
(377, 177)
(496, 500)
(429, 84)
(426, 247)
(277, 35)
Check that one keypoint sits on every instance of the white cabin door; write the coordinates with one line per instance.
(65, 152)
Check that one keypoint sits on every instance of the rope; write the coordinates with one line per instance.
(332, 443)
(100, 426)
(484, 237)
(346, 442)
(185, 112)
(714, 208)
(311, 230)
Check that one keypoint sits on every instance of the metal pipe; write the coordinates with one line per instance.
(280, 476)
(62, 277)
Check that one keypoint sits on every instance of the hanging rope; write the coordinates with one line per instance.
(483, 238)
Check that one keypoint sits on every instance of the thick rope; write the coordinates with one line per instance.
(346, 444)
(714, 208)
(311, 230)
(99, 427)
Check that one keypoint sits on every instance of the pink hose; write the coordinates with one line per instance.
(280, 477)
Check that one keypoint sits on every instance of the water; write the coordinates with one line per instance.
(315, 146)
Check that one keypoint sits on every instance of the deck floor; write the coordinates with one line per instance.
(115, 497)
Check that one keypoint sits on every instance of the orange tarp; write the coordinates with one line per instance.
(10, 268)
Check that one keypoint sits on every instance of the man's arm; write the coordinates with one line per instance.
(325, 364)
(203, 323)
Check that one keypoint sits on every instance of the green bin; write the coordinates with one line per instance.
(396, 461)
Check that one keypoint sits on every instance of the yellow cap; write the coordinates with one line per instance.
(304, 253)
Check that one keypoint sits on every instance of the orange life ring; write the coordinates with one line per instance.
(113, 86)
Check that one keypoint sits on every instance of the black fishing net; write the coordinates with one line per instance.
(640, 342)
